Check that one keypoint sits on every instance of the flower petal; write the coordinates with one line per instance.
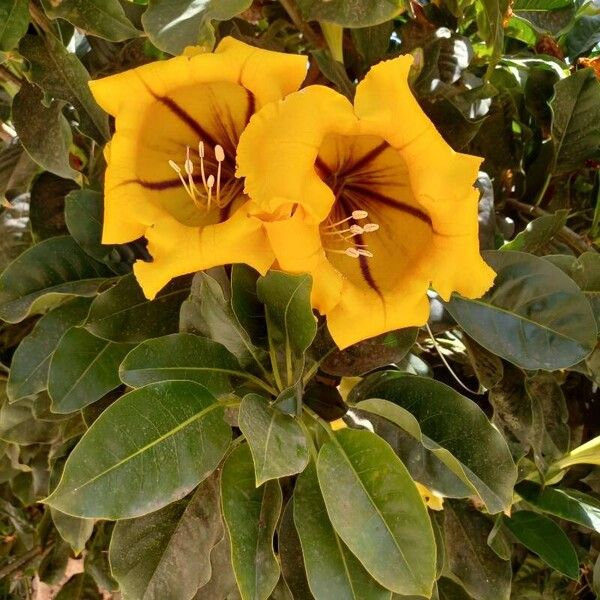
(283, 139)
(177, 249)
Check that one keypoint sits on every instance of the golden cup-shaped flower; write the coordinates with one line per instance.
(171, 164)
(369, 199)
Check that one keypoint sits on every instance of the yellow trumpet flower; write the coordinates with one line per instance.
(171, 164)
(369, 199)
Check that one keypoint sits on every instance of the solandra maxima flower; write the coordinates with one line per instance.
(171, 164)
(369, 199)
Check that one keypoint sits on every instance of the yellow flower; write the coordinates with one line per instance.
(369, 199)
(171, 163)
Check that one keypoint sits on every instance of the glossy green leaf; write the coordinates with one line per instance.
(585, 271)
(83, 216)
(210, 312)
(332, 570)
(104, 18)
(278, 444)
(43, 130)
(583, 34)
(490, 18)
(14, 20)
(18, 424)
(575, 120)
(534, 316)
(250, 516)
(222, 582)
(291, 325)
(172, 25)
(452, 427)
(83, 369)
(123, 314)
(149, 448)
(470, 559)
(75, 531)
(166, 554)
(361, 13)
(80, 587)
(544, 537)
(293, 568)
(47, 205)
(46, 274)
(182, 356)
(31, 361)
(570, 505)
(550, 430)
(377, 511)
(61, 75)
(538, 233)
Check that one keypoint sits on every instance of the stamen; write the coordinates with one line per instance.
(210, 182)
(201, 155)
(353, 229)
(359, 214)
(370, 227)
(177, 170)
(220, 156)
(189, 169)
(363, 252)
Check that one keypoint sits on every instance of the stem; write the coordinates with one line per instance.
(568, 236)
(260, 383)
(39, 18)
(23, 559)
(292, 10)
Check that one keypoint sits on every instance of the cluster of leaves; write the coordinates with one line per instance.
(213, 443)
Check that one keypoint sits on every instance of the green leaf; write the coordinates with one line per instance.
(28, 373)
(538, 233)
(490, 18)
(470, 559)
(61, 75)
(576, 120)
(14, 20)
(172, 25)
(570, 505)
(250, 514)
(372, 43)
(247, 308)
(43, 130)
(332, 570)
(83, 369)
(209, 312)
(83, 216)
(544, 537)
(75, 531)
(80, 587)
(585, 271)
(541, 5)
(46, 274)
(123, 314)
(583, 35)
(534, 316)
(104, 18)
(47, 205)
(291, 558)
(360, 13)
(166, 554)
(377, 511)
(371, 354)
(18, 424)
(182, 356)
(149, 448)
(452, 427)
(222, 582)
(278, 444)
(291, 324)
(550, 430)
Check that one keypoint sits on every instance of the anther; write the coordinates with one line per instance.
(370, 227)
(220, 156)
(359, 214)
(363, 252)
(174, 166)
(352, 252)
(210, 182)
